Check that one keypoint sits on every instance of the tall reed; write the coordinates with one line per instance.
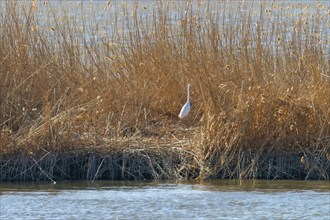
(259, 74)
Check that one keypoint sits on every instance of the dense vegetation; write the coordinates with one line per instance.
(77, 102)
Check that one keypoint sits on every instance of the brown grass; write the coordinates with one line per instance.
(260, 90)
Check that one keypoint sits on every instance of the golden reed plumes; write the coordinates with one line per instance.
(260, 100)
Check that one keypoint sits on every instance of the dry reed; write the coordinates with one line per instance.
(78, 103)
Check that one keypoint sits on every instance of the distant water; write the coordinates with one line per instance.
(111, 22)
(218, 199)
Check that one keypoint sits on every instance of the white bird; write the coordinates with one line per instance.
(186, 108)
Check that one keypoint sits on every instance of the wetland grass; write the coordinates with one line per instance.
(97, 97)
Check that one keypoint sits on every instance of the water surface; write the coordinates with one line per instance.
(167, 200)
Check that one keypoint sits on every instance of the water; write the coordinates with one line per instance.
(167, 200)
(111, 23)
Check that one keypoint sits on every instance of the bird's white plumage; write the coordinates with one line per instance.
(186, 108)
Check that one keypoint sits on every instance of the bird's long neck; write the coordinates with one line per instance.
(188, 92)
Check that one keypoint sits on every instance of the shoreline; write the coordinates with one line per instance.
(171, 163)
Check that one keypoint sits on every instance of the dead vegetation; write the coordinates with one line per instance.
(80, 104)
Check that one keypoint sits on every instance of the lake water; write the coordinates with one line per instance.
(220, 199)
(111, 23)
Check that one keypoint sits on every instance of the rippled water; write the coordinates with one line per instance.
(167, 200)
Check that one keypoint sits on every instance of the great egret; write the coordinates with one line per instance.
(186, 108)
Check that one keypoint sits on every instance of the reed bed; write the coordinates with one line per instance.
(97, 96)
